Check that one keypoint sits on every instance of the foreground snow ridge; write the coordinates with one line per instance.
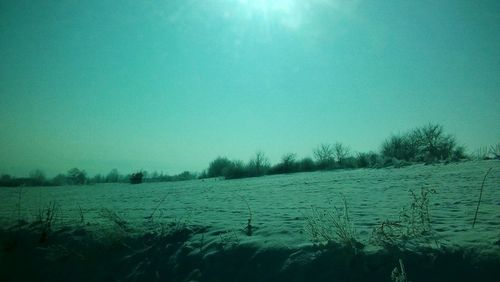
(171, 254)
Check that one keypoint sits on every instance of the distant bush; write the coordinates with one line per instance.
(203, 174)
(219, 167)
(36, 178)
(113, 176)
(6, 180)
(60, 179)
(236, 169)
(136, 178)
(288, 164)
(77, 176)
(363, 161)
(98, 178)
(368, 160)
(459, 154)
(307, 164)
(399, 147)
(349, 162)
(9, 181)
(223, 167)
(428, 143)
(186, 175)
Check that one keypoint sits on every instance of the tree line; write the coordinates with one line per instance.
(425, 144)
(76, 176)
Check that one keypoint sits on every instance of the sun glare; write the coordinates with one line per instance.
(289, 14)
(285, 12)
(267, 6)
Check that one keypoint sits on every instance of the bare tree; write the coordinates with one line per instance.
(288, 163)
(432, 143)
(341, 152)
(288, 158)
(259, 164)
(324, 155)
(37, 177)
(113, 176)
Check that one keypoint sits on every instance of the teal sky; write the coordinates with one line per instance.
(170, 85)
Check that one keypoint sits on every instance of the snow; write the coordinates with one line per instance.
(217, 211)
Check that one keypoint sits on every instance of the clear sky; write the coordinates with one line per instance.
(170, 85)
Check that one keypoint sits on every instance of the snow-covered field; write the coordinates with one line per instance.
(280, 205)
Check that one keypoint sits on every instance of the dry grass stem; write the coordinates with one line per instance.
(480, 197)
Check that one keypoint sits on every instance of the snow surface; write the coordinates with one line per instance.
(280, 204)
(196, 230)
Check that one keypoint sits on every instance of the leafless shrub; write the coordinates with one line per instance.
(45, 219)
(329, 225)
(248, 230)
(413, 226)
(427, 143)
(114, 218)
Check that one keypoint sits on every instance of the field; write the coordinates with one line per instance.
(273, 228)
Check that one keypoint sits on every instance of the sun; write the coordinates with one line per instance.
(287, 13)
(292, 15)
(268, 6)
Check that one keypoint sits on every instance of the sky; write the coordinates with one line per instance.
(170, 85)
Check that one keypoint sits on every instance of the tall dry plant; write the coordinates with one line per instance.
(331, 225)
(412, 228)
